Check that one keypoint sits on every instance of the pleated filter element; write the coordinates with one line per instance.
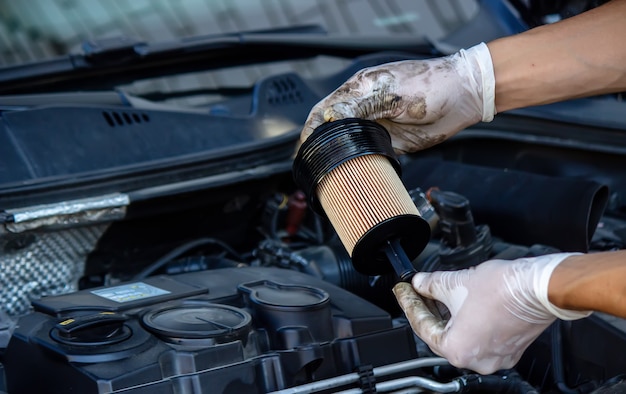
(361, 193)
(349, 172)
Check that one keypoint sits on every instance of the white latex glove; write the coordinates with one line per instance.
(496, 310)
(419, 102)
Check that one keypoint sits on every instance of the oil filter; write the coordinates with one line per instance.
(349, 172)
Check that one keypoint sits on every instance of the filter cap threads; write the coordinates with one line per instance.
(334, 143)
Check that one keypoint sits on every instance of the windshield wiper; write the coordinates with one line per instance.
(109, 63)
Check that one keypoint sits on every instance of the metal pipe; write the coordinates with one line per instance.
(342, 380)
(410, 364)
(411, 382)
(411, 390)
(406, 390)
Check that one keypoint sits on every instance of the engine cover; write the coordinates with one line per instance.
(234, 330)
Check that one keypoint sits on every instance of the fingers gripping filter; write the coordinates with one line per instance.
(349, 171)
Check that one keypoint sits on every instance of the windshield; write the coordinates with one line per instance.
(35, 30)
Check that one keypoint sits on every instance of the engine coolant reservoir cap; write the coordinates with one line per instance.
(203, 321)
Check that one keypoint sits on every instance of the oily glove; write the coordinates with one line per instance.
(419, 102)
(495, 309)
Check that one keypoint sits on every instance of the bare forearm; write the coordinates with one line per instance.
(591, 282)
(581, 56)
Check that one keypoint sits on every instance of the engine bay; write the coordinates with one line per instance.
(251, 292)
(191, 263)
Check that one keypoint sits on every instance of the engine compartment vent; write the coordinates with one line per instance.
(125, 118)
(282, 91)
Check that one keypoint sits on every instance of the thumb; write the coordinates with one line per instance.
(341, 110)
(430, 286)
(322, 113)
(447, 287)
(314, 119)
(426, 324)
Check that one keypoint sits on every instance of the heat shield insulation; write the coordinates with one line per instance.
(35, 264)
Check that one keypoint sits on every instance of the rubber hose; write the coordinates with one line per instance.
(495, 384)
(519, 207)
(558, 368)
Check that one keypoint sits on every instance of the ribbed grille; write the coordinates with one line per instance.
(359, 194)
(283, 90)
(115, 118)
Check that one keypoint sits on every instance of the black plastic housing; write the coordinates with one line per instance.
(302, 329)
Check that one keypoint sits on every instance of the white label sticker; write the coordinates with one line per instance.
(129, 292)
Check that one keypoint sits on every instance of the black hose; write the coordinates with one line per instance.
(519, 207)
(505, 384)
(558, 369)
(184, 248)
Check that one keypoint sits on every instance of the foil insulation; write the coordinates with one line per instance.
(37, 263)
(71, 213)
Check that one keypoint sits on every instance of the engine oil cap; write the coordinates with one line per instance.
(96, 329)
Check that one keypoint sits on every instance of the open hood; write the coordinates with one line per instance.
(148, 246)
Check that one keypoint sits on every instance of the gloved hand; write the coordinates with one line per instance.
(419, 102)
(496, 310)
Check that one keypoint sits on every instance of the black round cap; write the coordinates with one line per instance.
(334, 143)
(221, 323)
(294, 298)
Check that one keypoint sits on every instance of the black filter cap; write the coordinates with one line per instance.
(334, 143)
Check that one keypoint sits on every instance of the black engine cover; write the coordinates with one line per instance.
(235, 330)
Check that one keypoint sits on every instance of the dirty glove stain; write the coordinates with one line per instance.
(420, 102)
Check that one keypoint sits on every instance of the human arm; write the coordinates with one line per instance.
(577, 57)
(499, 307)
(580, 56)
(594, 282)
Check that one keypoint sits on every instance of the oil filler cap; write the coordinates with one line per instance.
(103, 328)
